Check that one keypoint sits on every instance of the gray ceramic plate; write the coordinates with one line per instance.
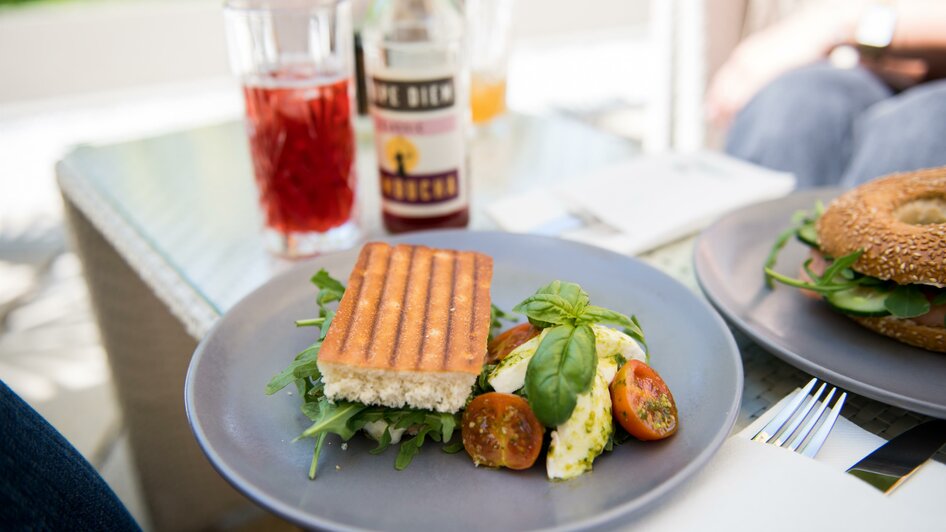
(803, 332)
(247, 436)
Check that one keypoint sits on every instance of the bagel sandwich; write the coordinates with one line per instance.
(878, 255)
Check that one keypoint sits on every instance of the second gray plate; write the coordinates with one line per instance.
(806, 333)
(248, 436)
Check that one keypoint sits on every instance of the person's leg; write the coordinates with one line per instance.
(904, 133)
(802, 122)
(45, 484)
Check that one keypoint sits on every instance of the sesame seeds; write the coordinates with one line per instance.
(864, 219)
(907, 331)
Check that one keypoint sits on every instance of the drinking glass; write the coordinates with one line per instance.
(295, 61)
(488, 25)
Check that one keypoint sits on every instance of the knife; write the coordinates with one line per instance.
(891, 464)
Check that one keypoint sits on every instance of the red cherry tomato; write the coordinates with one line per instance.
(642, 403)
(504, 344)
(500, 430)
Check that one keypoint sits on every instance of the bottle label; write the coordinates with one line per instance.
(420, 145)
(422, 95)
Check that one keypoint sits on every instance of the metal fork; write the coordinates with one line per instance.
(783, 430)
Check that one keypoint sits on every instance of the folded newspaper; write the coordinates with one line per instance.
(645, 202)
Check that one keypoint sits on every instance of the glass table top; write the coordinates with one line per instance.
(190, 197)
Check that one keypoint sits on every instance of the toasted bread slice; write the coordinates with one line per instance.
(411, 329)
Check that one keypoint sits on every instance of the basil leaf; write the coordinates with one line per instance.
(940, 298)
(334, 418)
(550, 308)
(555, 303)
(907, 302)
(632, 328)
(637, 332)
(304, 363)
(571, 292)
(539, 324)
(596, 314)
(563, 367)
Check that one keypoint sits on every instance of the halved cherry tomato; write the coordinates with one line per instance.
(500, 430)
(642, 403)
(503, 344)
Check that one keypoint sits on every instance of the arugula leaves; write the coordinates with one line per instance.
(334, 418)
(802, 221)
(424, 424)
(304, 366)
(346, 418)
(565, 361)
(901, 301)
(330, 289)
(496, 319)
(837, 277)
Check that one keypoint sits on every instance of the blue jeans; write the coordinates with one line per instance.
(830, 126)
(45, 484)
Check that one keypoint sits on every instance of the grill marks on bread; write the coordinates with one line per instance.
(413, 308)
(387, 324)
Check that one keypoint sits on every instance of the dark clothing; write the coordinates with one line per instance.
(832, 126)
(45, 484)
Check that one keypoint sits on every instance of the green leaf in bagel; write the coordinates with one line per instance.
(907, 301)
(940, 298)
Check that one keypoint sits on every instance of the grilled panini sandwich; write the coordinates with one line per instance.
(411, 328)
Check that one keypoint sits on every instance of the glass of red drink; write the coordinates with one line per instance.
(295, 61)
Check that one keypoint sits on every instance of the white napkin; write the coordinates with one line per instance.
(754, 485)
(641, 203)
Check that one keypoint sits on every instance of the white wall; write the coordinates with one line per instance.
(77, 47)
(92, 46)
(535, 18)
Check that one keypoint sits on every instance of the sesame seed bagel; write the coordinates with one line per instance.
(907, 331)
(900, 223)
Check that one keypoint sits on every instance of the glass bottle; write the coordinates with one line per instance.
(417, 90)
